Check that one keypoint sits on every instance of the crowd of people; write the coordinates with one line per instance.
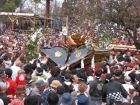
(115, 81)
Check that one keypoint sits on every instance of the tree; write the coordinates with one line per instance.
(125, 13)
(82, 10)
(9, 5)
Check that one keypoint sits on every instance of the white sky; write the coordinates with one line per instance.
(61, 1)
(29, 4)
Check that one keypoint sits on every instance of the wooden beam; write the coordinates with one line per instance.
(63, 15)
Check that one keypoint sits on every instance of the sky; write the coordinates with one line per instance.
(28, 4)
(61, 1)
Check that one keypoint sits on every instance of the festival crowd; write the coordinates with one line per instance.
(114, 81)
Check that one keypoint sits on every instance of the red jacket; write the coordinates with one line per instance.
(20, 79)
(11, 86)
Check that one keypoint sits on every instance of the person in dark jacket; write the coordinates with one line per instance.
(95, 91)
(33, 100)
(119, 77)
(113, 90)
(55, 72)
(119, 56)
(3, 94)
(52, 88)
(2, 74)
(52, 98)
(67, 84)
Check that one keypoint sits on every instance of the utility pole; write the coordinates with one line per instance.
(47, 10)
(55, 12)
(34, 18)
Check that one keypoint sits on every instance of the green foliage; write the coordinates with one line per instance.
(104, 42)
(97, 43)
(124, 13)
(74, 30)
(9, 5)
(46, 32)
(106, 37)
(17, 2)
(32, 48)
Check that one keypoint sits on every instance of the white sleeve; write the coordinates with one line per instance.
(63, 67)
(116, 59)
(82, 63)
(92, 63)
(108, 71)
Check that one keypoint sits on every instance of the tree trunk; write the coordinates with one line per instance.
(134, 37)
(47, 10)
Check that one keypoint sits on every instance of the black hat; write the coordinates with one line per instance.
(108, 77)
(45, 67)
(39, 71)
(62, 73)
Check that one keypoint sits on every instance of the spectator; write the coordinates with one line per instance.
(89, 74)
(66, 99)
(15, 68)
(29, 80)
(7, 60)
(136, 100)
(11, 85)
(137, 83)
(129, 88)
(60, 91)
(112, 57)
(2, 74)
(52, 99)
(39, 75)
(74, 80)
(67, 84)
(20, 79)
(119, 76)
(113, 90)
(55, 75)
(119, 56)
(96, 86)
(82, 98)
(52, 88)
(3, 94)
(40, 86)
(19, 100)
(33, 100)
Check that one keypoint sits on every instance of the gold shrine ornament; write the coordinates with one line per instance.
(58, 54)
(78, 54)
